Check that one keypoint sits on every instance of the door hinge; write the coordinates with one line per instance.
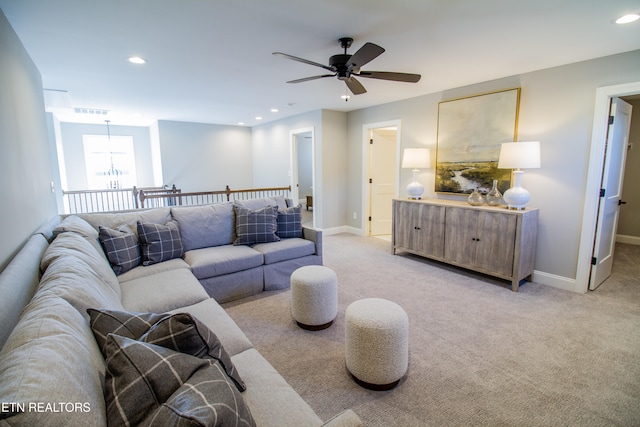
(369, 219)
(610, 120)
(371, 141)
(602, 192)
(594, 260)
(370, 180)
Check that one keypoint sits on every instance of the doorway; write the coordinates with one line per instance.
(604, 95)
(381, 147)
(302, 173)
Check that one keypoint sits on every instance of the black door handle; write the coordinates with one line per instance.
(621, 202)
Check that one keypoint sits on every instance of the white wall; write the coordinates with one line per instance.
(556, 108)
(205, 157)
(25, 147)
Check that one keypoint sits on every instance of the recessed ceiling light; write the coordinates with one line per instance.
(137, 60)
(345, 97)
(258, 118)
(274, 110)
(626, 19)
(240, 123)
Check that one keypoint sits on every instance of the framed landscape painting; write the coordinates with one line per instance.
(470, 132)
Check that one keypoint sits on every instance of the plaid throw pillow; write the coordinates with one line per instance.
(180, 332)
(121, 247)
(256, 226)
(159, 242)
(153, 385)
(290, 222)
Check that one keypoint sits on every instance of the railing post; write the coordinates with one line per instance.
(228, 191)
(142, 196)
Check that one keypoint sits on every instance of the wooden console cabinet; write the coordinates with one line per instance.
(491, 240)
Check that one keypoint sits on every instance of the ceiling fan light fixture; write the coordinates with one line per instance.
(627, 19)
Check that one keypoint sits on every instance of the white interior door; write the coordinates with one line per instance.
(383, 179)
(612, 179)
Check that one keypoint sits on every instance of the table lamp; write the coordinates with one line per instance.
(518, 155)
(416, 158)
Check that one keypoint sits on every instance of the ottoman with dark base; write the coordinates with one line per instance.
(376, 343)
(314, 297)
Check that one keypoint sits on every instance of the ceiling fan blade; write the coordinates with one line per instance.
(304, 61)
(387, 75)
(355, 86)
(365, 54)
(306, 79)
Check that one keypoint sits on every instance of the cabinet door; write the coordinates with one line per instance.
(428, 236)
(403, 213)
(495, 242)
(460, 235)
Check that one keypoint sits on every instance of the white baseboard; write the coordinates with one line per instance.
(554, 281)
(632, 240)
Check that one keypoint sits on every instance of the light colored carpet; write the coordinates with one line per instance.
(479, 354)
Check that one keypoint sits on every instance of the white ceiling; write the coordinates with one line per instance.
(211, 61)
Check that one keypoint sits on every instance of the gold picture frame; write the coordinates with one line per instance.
(470, 133)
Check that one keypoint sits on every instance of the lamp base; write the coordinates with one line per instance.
(516, 197)
(415, 190)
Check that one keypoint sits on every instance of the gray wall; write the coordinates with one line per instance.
(205, 157)
(629, 225)
(25, 155)
(556, 108)
(272, 154)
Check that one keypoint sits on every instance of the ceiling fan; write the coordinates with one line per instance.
(346, 67)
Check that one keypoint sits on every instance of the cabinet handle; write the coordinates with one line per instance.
(416, 228)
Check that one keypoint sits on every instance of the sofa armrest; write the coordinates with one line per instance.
(346, 418)
(315, 236)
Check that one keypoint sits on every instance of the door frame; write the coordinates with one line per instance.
(594, 177)
(366, 197)
(293, 159)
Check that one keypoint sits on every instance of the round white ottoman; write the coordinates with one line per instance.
(314, 297)
(377, 343)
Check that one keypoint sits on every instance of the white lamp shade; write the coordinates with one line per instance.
(416, 158)
(519, 155)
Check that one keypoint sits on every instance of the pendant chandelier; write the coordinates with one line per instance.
(113, 175)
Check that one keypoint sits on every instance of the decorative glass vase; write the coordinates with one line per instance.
(494, 196)
(475, 198)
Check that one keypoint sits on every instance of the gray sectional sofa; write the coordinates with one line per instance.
(54, 372)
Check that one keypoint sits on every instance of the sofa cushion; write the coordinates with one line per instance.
(285, 249)
(160, 242)
(161, 292)
(75, 224)
(76, 273)
(75, 246)
(289, 222)
(279, 201)
(272, 400)
(122, 248)
(256, 226)
(205, 226)
(219, 260)
(148, 270)
(179, 331)
(49, 358)
(160, 215)
(150, 384)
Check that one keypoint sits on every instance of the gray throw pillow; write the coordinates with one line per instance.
(256, 226)
(153, 385)
(290, 222)
(121, 247)
(180, 332)
(159, 242)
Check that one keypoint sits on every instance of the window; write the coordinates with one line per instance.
(103, 156)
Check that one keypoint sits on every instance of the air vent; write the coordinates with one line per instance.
(94, 111)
